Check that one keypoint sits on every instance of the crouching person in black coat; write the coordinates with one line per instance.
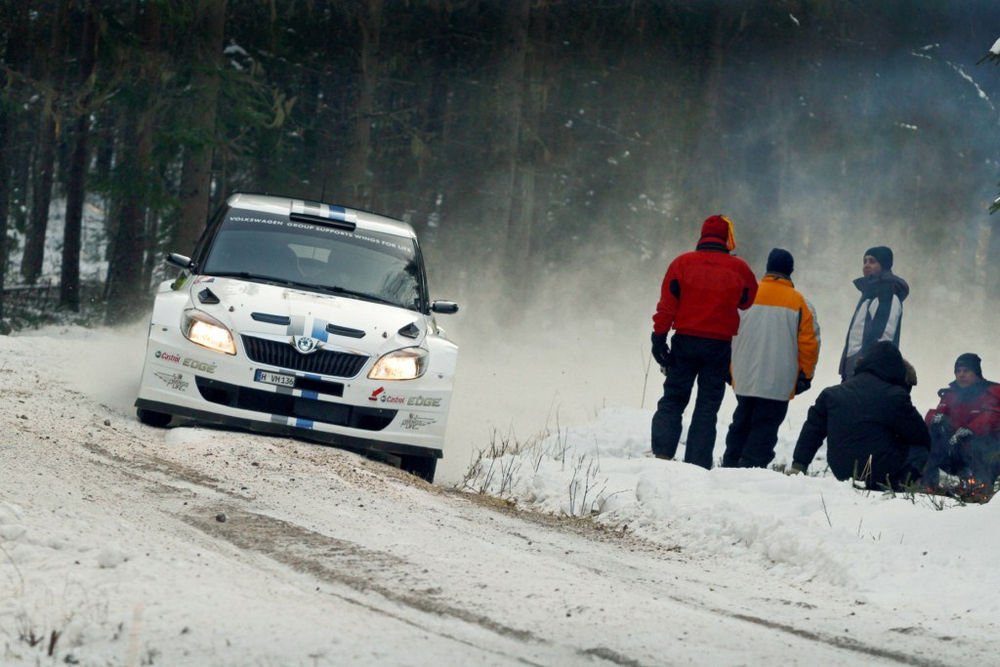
(873, 432)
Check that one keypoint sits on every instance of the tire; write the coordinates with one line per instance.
(421, 466)
(153, 418)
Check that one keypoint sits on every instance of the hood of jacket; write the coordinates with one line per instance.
(884, 361)
(717, 234)
(872, 285)
(970, 393)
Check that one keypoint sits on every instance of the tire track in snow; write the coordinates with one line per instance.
(338, 561)
(327, 558)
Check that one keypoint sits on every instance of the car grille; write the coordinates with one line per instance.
(300, 407)
(322, 362)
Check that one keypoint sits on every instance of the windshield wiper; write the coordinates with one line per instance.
(328, 289)
(245, 275)
(343, 291)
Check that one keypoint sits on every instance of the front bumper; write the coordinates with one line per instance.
(352, 443)
(403, 418)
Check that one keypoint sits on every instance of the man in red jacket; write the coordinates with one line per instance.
(700, 299)
(965, 428)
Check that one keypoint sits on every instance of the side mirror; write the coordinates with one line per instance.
(444, 307)
(180, 261)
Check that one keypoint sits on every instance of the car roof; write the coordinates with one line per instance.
(278, 205)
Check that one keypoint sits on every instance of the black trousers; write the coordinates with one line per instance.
(976, 457)
(692, 358)
(754, 432)
(942, 455)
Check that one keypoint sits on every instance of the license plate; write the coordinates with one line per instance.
(270, 377)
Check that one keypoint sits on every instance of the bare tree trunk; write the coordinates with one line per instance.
(499, 204)
(34, 243)
(357, 178)
(4, 201)
(989, 241)
(22, 153)
(125, 289)
(15, 17)
(702, 146)
(710, 138)
(69, 285)
(17, 151)
(152, 224)
(529, 156)
(511, 108)
(196, 175)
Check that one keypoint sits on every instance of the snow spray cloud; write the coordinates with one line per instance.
(853, 145)
(105, 368)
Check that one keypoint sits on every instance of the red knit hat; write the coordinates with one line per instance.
(718, 228)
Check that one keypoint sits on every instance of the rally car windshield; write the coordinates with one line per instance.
(361, 264)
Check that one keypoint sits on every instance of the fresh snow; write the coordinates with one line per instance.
(929, 553)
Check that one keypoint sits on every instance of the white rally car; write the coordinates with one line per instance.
(307, 319)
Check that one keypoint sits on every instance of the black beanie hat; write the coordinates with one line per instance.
(883, 254)
(780, 261)
(971, 361)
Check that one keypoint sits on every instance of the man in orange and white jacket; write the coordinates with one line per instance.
(774, 358)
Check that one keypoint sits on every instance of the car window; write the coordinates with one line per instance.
(361, 262)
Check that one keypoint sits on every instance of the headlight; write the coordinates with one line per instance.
(205, 330)
(405, 364)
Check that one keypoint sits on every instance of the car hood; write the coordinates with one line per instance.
(337, 322)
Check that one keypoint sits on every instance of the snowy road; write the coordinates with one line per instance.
(126, 545)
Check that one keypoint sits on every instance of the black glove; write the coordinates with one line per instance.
(802, 384)
(960, 435)
(940, 427)
(661, 352)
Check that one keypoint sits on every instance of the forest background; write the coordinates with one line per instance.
(519, 137)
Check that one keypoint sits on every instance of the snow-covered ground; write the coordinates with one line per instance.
(126, 545)
(920, 555)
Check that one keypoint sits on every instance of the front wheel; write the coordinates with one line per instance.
(153, 418)
(421, 466)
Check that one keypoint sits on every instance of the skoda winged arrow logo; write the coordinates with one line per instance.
(306, 344)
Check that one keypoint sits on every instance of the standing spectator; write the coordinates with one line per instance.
(702, 292)
(872, 431)
(774, 358)
(880, 310)
(965, 428)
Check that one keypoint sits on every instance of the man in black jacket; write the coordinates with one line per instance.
(879, 313)
(873, 432)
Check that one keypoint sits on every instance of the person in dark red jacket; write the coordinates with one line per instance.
(965, 428)
(702, 293)
(873, 433)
